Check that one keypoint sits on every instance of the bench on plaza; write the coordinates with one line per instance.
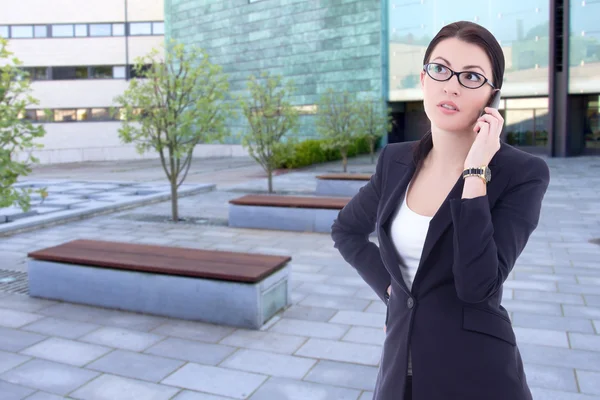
(289, 213)
(237, 289)
(340, 184)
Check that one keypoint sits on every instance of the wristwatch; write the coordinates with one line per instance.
(482, 172)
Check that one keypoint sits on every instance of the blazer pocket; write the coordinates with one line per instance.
(489, 323)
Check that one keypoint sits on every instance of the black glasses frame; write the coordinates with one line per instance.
(452, 73)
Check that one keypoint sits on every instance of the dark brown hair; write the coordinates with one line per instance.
(471, 33)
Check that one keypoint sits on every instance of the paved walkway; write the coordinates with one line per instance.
(327, 345)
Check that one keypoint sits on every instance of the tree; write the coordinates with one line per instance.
(337, 122)
(175, 104)
(17, 133)
(374, 121)
(270, 117)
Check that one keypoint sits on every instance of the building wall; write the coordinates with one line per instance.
(319, 44)
(81, 141)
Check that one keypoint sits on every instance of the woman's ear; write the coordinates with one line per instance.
(422, 78)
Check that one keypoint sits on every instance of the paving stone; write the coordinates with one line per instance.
(377, 307)
(360, 334)
(9, 391)
(343, 374)
(544, 337)
(367, 294)
(10, 360)
(215, 380)
(597, 326)
(122, 338)
(189, 395)
(327, 289)
(134, 365)
(333, 350)
(366, 396)
(267, 341)
(288, 389)
(336, 302)
(550, 297)
(309, 313)
(592, 300)
(194, 330)
(309, 328)
(280, 365)
(61, 327)
(66, 351)
(189, 350)
(578, 288)
(15, 340)
(548, 394)
(359, 319)
(567, 324)
(109, 387)
(532, 307)
(548, 377)
(559, 357)
(582, 311)
(584, 342)
(49, 376)
(530, 285)
(589, 382)
(44, 396)
(16, 319)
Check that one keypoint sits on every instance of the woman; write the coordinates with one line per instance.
(448, 235)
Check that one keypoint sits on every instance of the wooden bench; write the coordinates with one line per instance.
(290, 213)
(346, 185)
(237, 289)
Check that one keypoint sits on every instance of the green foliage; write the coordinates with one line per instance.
(374, 121)
(17, 134)
(312, 151)
(176, 104)
(337, 122)
(271, 119)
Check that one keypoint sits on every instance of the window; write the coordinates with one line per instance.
(62, 31)
(118, 72)
(118, 29)
(100, 114)
(37, 73)
(64, 73)
(40, 31)
(65, 115)
(140, 28)
(41, 116)
(20, 32)
(100, 29)
(102, 72)
(158, 28)
(4, 31)
(81, 30)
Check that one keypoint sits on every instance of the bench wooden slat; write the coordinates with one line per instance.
(328, 203)
(230, 266)
(345, 177)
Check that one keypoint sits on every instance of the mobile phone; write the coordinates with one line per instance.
(494, 102)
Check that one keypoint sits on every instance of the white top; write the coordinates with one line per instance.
(408, 232)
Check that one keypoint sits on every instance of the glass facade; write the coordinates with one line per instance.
(592, 123)
(521, 27)
(584, 47)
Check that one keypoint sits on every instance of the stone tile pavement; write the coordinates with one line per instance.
(327, 345)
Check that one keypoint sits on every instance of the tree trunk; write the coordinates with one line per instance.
(372, 150)
(174, 205)
(345, 160)
(270, 175)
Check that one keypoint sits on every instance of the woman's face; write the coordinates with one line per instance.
(459, 56)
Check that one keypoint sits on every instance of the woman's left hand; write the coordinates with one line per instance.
(487, 141)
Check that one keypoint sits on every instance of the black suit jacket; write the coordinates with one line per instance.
(461, 338)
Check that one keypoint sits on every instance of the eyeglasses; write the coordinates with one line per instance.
(468, 79)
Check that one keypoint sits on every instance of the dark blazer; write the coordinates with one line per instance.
(461, 338)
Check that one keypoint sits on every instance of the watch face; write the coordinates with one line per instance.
(488, 174)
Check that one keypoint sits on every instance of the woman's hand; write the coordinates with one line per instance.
(487, 141)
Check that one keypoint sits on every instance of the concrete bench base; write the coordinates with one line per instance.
(282, 218)
(341, 188)
(209, 300)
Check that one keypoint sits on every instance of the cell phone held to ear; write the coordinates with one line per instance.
(494, 102)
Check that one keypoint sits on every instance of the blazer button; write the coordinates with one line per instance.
(410, 303)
